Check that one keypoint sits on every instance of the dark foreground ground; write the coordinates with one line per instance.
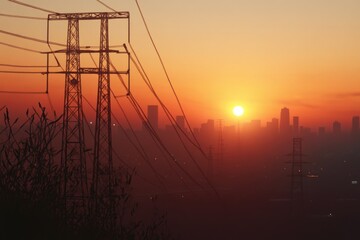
(262, 210)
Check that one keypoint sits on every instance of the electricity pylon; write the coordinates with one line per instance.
(73, 163)
(74, 184)
(296, 186)
(297, 170)
(103, 176)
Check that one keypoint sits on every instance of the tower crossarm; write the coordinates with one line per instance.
(88, 15)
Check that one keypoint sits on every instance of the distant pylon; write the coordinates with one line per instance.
(73, 164)
(220, 148)
(211, 164)
(296, 188)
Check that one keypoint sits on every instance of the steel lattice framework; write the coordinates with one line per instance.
(297, 176)
(103, 177)
(297, 170)
(74, 186)
(73, 162)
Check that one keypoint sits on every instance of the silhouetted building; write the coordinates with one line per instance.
(153, 116)
(355, 124)
(273, 126)
(321, 131)
(295, 124)
(208, 127)
(207, 131)
(284, 121)
(180, 121)
(253, 126)
(229, 131)
(336, 127)
(305, 131)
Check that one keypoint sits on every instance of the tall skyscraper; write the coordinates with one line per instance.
(355, 124)
(321, 131)
(273, 126)
(336, 128)
(153, 116)
(275, 123)
(295, 124)
(180, 120)
(284, 120)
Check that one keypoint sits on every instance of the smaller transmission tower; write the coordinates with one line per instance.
(211, 164)
(296, 187)
(220, 149)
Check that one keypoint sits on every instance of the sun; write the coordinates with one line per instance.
(238, 111)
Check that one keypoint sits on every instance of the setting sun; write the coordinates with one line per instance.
(238, 111)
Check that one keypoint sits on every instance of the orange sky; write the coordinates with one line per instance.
(261, 54)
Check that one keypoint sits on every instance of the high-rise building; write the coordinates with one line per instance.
(284, 120)
(180, 121)
(153, 116)
(355, 124)
(208, 127)
(295, 124)
(336, 127)
(321, 131)
(275, 124)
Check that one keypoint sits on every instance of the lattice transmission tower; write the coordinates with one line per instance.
(297, 175)
(74, 184)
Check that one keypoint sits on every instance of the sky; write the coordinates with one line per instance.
(261, 54)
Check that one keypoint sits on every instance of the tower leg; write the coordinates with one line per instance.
(73, 165)
(103, 175)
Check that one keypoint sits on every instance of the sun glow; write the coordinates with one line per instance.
(238, 111)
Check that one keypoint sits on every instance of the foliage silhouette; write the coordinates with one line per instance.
(31, 206)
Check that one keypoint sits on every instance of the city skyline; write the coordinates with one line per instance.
(285, 53)
(294, 126)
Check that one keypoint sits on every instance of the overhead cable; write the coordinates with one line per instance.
(21, 16)
(174, 123)
(107, 6)
(22, 72)
(31, 6)
(31, 38)
(166, 73)
(21, 48)
(25, 66)
(151, 130)
(22, 92)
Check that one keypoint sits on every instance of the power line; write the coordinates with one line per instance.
(21, 48)
(43, 41)
(141, 151)
(31, 6)
(107, 6)
(165, 71)
(24, 66)
(22, 72)
(116, 154)
(20, 16)
(147, 81)
(22, 92)
(151, 130)
(174, 124)
(31, 38)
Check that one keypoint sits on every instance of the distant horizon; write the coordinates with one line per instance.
(262, 55)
